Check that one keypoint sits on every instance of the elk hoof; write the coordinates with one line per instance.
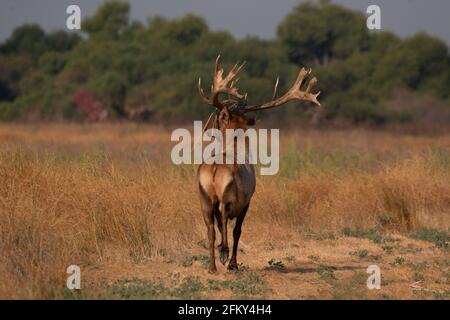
(224, 255)
(212, 270)
(233, 266)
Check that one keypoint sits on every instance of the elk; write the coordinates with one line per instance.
(226, 189)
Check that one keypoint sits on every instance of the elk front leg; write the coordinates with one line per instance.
(224, 251)
(236, 235)
(212, 238)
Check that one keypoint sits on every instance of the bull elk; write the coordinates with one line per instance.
(226, 189)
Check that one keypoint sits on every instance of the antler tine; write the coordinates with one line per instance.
(222, 85)
(229, 77)
(294, 93)
(202, 94)
(275, 89)
(236, 68)
(226, 85)
(300, 77)
(217, 64)
(314, 98)
(311, 84)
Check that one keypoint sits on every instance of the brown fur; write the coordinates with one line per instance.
(225, 193)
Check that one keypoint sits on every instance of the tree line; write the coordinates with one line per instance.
(121, 69)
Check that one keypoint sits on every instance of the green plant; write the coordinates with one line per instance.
(398, 261)
(440, 239)
(360, 253)
(276, 263)
(133, 289)
(444, 295)
(418, 276)
(139, 289)
(188, 261)
(419, 266)
(409, 249)
(289, 258)
(326, 272)
(190, 288)
(371, 234)
(243, 284)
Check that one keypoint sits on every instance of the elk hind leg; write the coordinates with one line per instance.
(223, 248)
(208, 216)
(218, 217)
(236, 235)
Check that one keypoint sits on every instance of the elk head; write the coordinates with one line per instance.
(230, 115)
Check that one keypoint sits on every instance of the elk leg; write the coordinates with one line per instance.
(236, 235)
(224, 251)
(208, 217)
(219, 223)
(209, 221)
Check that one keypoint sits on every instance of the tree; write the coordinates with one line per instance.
(184, 31)
(61, 41)
(113, 89)
(412, 63)
(28, 39)
(110, 20)
(137, 68)
(318, 32)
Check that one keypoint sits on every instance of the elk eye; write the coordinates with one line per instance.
(251, 122)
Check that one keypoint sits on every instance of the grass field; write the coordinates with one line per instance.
(108, 199)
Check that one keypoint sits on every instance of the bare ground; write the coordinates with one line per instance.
(304, 268)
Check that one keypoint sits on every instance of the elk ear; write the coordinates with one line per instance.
(224, 117)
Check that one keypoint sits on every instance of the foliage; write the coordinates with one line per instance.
(441, 239)
(320, 32)
(135, 69)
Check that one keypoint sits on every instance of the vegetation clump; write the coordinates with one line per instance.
(122, 69)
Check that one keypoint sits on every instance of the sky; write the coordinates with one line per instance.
(240, 17)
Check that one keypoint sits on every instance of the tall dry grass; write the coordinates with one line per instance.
(90, 195)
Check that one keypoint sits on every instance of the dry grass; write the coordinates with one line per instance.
(108, 199)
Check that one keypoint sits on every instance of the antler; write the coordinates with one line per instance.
(221, 85)
(293, 94)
